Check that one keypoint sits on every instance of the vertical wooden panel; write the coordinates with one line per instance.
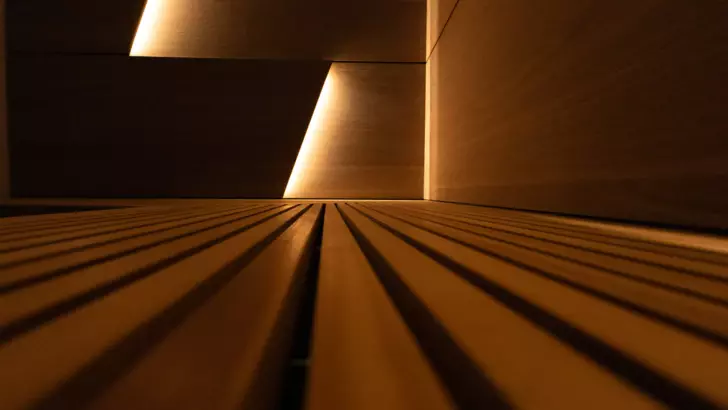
(368, 141)
(611, 109)
(4, 166)
(438, 11)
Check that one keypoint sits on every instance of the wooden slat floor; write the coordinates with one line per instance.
(357, 305)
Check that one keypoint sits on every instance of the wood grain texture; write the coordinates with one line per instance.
(611, 109)
(419, 304)
(609, 321)
(201, 263)
(369, 141)
(357, 324)
(355, 30)
(113, 126)
(256, 311)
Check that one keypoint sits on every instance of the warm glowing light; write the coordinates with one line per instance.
(428, 33)
(312, 140)
(147, 26)
(428, 131)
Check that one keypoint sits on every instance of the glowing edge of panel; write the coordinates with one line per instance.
(428, 30)
(312, 140)
(145, 30)
(428, 132)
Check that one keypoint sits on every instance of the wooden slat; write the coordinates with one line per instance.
(528, 367)
(60, 357)
(110, 255)
(681, 244)
(23, 307)
(38, 222)
(691, 378)
(94, 232)
(420, 305)
(234, 344)
(673, 307)
(69, 226)
(631, 248)
(125, 203)
(47, 219)
(707, 282)
(364, 356)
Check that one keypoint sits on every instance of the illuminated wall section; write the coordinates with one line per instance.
(428, 134)
(147, 27)
(365, 137)
(314, 141)
(171, 28)
(608, 108)
(438, 14)
(334, 30)
(168, 28)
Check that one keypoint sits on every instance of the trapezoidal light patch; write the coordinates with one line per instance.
(314, 141)
(148, 27)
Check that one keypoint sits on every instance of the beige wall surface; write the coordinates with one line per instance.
(611, 109)
(366, 137)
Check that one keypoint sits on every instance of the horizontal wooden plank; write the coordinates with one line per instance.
(691, 378)
(227, 342)
(71, 226)
(92, 232)
(34, 225)
(364, 356)
(600, 251)
(669, 305)
(425, 305)
(43, 364)
(683, 244)
(499, 342)
(111, 254)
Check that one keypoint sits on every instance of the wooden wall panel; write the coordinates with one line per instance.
(4, 166)
(352, 30)
(368, 139)
(438, 12)
(361, 30)
(73, 26)
(113, 126)
(610, 109)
